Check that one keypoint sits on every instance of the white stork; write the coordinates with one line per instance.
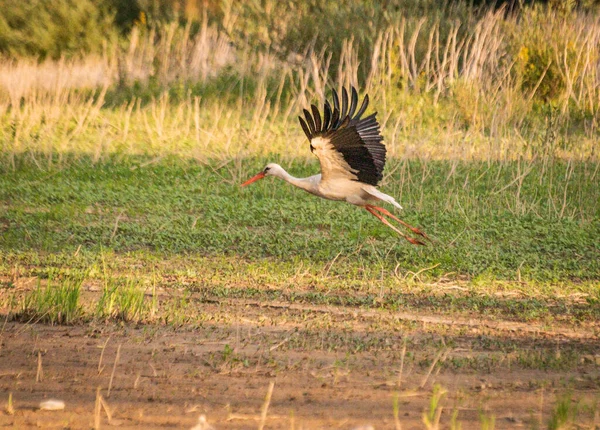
(352, 157)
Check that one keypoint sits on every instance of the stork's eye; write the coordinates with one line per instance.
(266, 169)
(312, 148)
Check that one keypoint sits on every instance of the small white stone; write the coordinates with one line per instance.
(202, 424)
(52, 405)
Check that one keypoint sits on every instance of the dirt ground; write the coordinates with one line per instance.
(331, 368)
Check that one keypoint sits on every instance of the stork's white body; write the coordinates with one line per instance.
(344, 189)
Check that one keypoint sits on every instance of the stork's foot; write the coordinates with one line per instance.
(375, 209)
(414, 241)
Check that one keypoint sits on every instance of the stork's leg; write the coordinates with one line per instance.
(388, 213)
(371, 209)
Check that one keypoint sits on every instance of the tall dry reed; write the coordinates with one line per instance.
(440, 93)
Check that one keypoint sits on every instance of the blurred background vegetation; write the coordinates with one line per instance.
(516, 70)
(53, 28)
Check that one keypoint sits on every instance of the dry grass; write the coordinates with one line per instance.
(461, 98)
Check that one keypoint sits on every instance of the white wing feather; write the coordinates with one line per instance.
(333, 165)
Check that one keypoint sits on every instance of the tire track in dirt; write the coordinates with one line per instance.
(507, 327)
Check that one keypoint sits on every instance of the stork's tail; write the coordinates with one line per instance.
(382, 196)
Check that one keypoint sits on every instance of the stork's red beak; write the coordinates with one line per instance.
(253, 179)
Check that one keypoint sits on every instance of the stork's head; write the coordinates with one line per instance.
(271, 169)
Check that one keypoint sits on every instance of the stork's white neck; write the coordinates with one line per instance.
(309, 184)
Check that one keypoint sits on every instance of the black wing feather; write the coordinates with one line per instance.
(336, 107)
(317, 118)
(326, 116)
(344, 111)
(353, 102)
(359, 141)
(336, 100)
(334, 120)
(304, 127)
(363, 108)
(310, 122)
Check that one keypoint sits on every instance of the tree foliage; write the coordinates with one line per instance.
(53, 28)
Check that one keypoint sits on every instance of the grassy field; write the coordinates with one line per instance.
(123, 225)
(524, 229)
(524, 222)
(175, 243)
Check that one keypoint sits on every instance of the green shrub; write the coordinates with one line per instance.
(554, 51)
(53, 28)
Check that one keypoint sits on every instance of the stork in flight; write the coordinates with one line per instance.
(352, 157)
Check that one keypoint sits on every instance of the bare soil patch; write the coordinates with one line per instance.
(332, 368)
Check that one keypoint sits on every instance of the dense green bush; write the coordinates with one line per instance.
(53, 28)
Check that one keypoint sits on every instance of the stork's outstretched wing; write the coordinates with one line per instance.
(347, 146)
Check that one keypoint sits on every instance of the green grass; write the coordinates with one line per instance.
(564, 413)
(517, 249)
(121, 302)
(56, 303)
(484, 225)
(431, 418)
